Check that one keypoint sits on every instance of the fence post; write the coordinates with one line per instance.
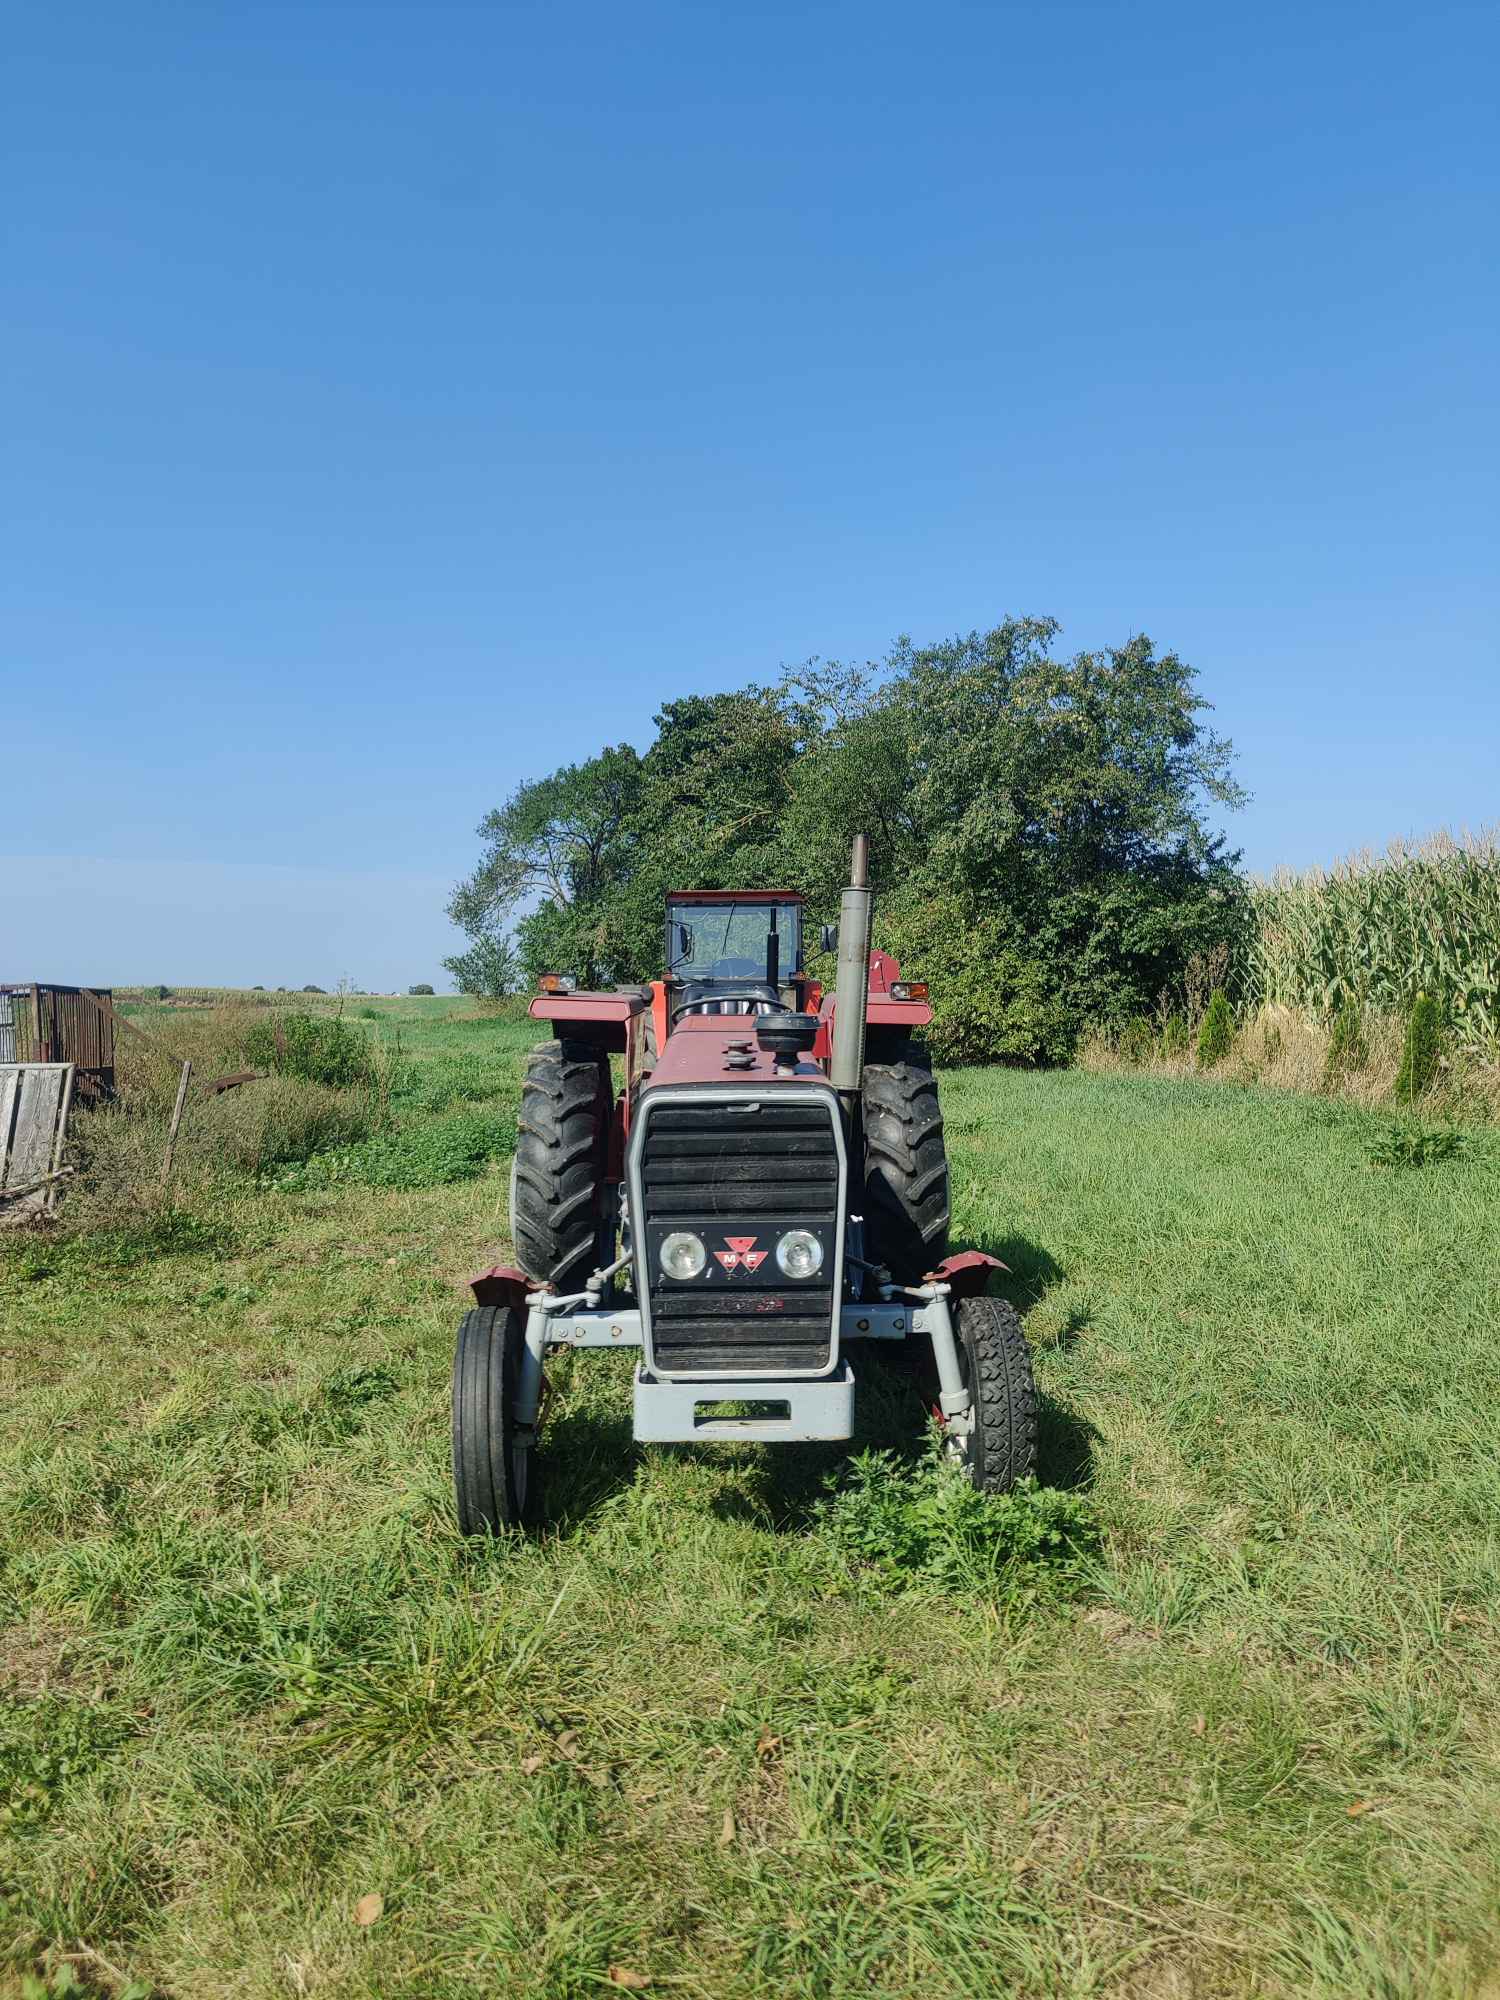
(182, 1091)
(55, 1176)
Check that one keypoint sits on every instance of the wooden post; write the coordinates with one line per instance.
(55, 1176)
(182, 1090)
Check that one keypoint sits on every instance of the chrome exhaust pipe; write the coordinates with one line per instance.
(847, 1062)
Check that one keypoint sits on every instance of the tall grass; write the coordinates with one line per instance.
(286, 1116)
(1377, 930)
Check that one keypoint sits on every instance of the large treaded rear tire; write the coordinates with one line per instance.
(996, 1365)
(906, 1166)
(557, 1185)
(494, 1476)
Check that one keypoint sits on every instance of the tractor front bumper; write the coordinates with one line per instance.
(672, 1410)
(761, 1408)
(764, 1412)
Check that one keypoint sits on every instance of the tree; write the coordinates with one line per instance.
(1216, 1033)
(421, 987)
(489, 969)
(1039, 830)
(562, 842)
(1421, 1050)
(1052, 808)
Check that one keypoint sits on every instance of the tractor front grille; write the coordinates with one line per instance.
(739, 1177)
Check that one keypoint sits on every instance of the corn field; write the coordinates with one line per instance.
(1378, 930)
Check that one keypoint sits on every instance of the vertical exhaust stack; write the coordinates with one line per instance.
(846, 1067)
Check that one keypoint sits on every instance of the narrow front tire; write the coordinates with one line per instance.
(1000, 1449)
(494, 1465)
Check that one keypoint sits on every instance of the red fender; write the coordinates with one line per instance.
(503, 1285)
(967, 1272)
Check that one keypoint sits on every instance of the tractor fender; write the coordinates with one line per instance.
(600, 1019)
(502, 1285)
(967, 1272)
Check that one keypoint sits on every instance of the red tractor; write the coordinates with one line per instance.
(769, 1188)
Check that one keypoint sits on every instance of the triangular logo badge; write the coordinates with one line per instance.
(741, 1254)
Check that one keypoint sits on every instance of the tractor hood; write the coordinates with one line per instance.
(712, 1048)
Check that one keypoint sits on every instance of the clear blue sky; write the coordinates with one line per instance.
(402, 400)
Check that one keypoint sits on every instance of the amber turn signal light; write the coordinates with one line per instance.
(909, 989)
(556, 982)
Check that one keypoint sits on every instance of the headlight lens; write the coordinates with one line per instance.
(683, 1254)
(800, 1254)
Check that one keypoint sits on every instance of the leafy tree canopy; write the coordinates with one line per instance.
(1039, 829)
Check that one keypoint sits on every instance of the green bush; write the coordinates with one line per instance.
(1174, 1036)
(318, 1049)
(991, 1002)
(922, 1526)
(1216, 1033)
(1422, 1051)
(420, 988)
(1346, 1044)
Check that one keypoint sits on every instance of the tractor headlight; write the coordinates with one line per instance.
(683, 1254)
(800, 1254)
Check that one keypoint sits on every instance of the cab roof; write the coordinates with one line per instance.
(735, 896)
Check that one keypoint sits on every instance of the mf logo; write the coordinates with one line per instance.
(741, 1254)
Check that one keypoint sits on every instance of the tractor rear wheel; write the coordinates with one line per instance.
(996, 1367)
(906, 1166)
(494, 1466)
(558, 1197)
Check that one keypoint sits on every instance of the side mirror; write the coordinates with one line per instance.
(830, 937)
(684, 940)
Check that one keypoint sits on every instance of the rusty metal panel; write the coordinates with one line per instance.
(62, 1024)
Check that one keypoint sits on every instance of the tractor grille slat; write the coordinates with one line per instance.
(708, 1167)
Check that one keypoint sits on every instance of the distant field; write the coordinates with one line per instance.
(1251, 1746)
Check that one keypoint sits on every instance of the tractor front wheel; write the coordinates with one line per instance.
(1000, 1449)
(906, 1166)
(494, 1466)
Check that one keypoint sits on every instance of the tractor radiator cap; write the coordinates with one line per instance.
(786, 1034)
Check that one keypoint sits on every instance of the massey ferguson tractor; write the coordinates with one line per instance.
(768, 1191)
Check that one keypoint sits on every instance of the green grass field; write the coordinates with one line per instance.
(1240, 1736)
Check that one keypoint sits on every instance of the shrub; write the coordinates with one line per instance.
(315, 989)
(1174, 1036)
(1137, 1041)
(422, 987)
(1423, 1049)
(991, 1002)
(1347, 1049)
(316, 1048)
(1216, 1034)
(922, 1526)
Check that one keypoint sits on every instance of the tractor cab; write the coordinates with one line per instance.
(734, 951)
